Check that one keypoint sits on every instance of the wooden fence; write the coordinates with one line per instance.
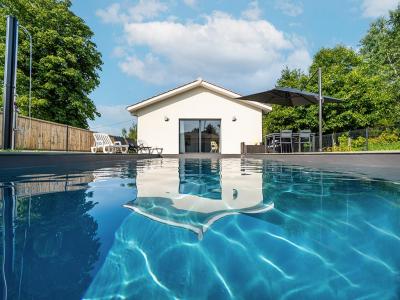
(52, 184)
(35, 134)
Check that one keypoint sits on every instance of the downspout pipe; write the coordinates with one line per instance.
(10, 82)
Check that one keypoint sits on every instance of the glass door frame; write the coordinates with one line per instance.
(199, 120)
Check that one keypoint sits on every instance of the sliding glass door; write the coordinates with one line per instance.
(189, 136)
(199, 136)
(210, 132)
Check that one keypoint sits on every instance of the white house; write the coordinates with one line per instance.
(199, 117)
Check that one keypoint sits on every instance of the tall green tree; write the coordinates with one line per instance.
(367, 101)
(381, 49)
(66, 61)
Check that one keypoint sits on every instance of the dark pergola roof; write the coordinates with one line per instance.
(288, 97)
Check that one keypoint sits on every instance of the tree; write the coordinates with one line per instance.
(367, 100)
(65, 61)
(381, 44)
(131, 133)
(381, 48)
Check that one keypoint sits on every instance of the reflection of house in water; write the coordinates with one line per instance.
(199, 194)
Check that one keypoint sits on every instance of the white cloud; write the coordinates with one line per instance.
(111, 14)
(143, 10)
(113, 119)
(289, 7)
(240, 54)
(118, 52)
(377, 8)
(191, 3)
(253, 12)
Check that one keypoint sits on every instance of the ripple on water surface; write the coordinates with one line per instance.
(199, 229)
(327, 235)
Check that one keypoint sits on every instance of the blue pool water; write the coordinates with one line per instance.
(198, 229)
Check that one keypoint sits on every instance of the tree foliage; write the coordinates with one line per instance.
(368, 81)
(381, 49)
(65, 61)
(131, 133)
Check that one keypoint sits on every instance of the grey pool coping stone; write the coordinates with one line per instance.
(13, 160)
(332, 153)
(373, 164)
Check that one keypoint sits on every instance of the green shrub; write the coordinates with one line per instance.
(359, 142)
(343, 140)
(388, 137)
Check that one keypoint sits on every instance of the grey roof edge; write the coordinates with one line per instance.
(181, 86)
(162, 93)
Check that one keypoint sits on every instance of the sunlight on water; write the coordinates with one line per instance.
(199, 229)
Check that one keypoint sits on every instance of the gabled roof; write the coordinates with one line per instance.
(189, 86)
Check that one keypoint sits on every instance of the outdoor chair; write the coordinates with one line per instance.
(305, 139)
(214, 147)
(120, 144)
(135, 148)
(286, 138)
(132, 145)
(271, 143)
(143, 146)
(102, 141)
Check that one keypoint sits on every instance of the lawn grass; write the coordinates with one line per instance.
(384, 146)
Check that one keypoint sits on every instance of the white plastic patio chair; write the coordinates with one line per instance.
(214, 147)
(103, 141)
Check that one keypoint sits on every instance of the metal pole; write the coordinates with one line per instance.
(321, 100)
(10, 78)
(30, 75)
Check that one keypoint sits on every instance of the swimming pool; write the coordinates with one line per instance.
(199, 229)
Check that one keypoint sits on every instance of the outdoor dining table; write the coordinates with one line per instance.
(273, 139)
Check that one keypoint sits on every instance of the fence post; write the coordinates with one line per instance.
(334, 144)
(366, 139)
(66, 144)
(349, 142)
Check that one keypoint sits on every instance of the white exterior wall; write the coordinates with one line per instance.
(199, 103)
(248, 192)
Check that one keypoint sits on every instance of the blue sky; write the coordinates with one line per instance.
(150, 46)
